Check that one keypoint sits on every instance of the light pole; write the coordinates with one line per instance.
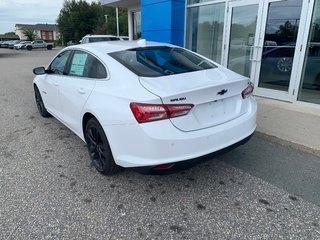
(117, 17)
(106, 17)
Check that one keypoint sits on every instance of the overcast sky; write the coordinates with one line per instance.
(28, 12)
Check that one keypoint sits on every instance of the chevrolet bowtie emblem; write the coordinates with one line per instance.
(222, 92)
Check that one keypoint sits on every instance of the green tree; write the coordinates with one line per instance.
(10, 33)
(315, 32)
(30, 34)
(287, 32)
(79, 18)
(110, 24)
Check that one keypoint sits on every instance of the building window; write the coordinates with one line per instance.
(136, 22)
(197, 1)
(43, 35)
(310, 81)
(47, 35)
(50, 35)
(205, 30)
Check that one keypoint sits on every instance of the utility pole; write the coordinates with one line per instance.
(106, 17)
(117, 17)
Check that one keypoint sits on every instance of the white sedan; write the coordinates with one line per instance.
(21, 45)
(145, 104)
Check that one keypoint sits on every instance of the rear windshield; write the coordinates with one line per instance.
(161, 61)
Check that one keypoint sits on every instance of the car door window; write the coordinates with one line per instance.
(58, 65)
(86, 65)
(78, 64)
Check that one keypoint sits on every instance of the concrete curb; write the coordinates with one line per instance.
(286, 143)
(293, 123)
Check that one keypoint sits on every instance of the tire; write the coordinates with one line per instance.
(29, 48)
(40, 105)
(284, 64)
(49, 47)
(99, 148)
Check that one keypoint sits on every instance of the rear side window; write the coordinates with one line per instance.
(85, 65)
(161, 61)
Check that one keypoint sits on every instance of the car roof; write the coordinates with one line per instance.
(115, 46)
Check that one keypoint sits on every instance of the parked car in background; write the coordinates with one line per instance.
(5, 44)
(99, 38)
(21, 45)
(12, 43)
(276, 65)
(39, 44)
(71, 43)
(141, 104)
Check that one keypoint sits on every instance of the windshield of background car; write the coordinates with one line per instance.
(102, 39)
(161, 61)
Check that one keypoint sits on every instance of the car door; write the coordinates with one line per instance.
(50, 84)
(83, 72)
(35, 44)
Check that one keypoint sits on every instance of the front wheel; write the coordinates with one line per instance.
(99, 149)
(284, 64)
(40, 105)
(49, 47)
(29, 48)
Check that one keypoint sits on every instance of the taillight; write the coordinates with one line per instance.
(248, 91)
(145, 112)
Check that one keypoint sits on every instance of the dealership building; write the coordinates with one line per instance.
(276, 43)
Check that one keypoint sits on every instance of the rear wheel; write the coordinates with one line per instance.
(99, 149)
(40, 105)
(29, 48)
(49, 47)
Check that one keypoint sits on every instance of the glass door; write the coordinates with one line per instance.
(264, 40)
(309, 89)
(204, 29)
(242, 36)
(278, 54)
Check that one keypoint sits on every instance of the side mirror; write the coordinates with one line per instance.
(39, 71)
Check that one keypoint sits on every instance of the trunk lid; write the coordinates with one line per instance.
(215, 93)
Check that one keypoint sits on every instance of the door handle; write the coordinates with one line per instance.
(259, 53)
(81, 91)
(254, 54)
(251, 54)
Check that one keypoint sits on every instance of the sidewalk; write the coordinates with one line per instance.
(291, 122)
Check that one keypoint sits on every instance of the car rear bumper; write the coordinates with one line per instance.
(155, 143)
(178, 166)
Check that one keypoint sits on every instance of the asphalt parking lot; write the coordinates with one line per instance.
(265, 189)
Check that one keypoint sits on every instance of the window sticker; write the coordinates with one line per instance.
(78, 62)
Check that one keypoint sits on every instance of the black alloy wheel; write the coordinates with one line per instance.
(284, 64)
(99, 149)
(40, 105)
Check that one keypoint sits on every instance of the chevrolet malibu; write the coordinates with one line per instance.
(145, 104)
